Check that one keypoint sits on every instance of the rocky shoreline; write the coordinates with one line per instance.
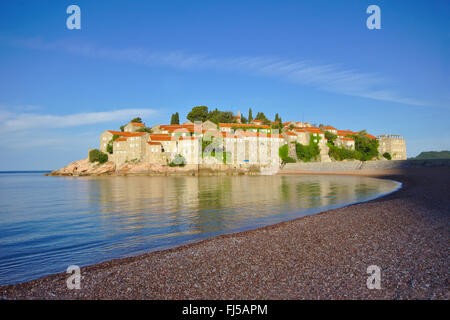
(85, 168)
(323, 256)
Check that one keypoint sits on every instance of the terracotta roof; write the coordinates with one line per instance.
(127, 134)
(258, 134)
(346, 132)
(256, 120)
(176, 126)
(209, 131)
(236, 117)
(138, 124)
(329, 128)
(244, 125)
(153, 143)
(188, 138)
(160, 137)
(289, 133)
(371, 136)
(247, 134)
(121, 139)
(181, 130)
(346, 139)
(276, 135)
(312, 129)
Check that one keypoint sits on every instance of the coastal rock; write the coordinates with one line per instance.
(84, 167)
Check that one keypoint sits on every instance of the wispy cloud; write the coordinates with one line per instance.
(327, 77)
(20, 121)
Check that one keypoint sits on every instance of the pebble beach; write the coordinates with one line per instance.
(322, 256)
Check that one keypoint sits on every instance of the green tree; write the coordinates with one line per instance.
(138, 120)
(109, 146)
(278, 123)
(243, 119)
(341, 153)
(218, 116)
(283, 152)
(250, 115)
(145, 129)
(366, 147)
(387, 155)
(277, 118)
(96, 155)
(331, 137)
(199, 113)
(261, 116)
(175, 118)
(309, 152)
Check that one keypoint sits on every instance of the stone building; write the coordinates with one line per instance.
(133, 126)
(345, 142)
(331, 129)
(252, 143)
(395, 145)
(238, 117)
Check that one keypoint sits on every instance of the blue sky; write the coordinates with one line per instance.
(307, 60)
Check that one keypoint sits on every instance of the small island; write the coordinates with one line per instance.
(218, 142)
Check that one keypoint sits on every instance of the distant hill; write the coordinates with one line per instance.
(433, 155)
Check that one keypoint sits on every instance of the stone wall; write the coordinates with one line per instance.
(359, 165)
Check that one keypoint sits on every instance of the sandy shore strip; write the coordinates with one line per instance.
(323, 256)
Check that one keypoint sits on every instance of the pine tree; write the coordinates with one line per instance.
(175, 118)
(250, 116)
(277, 118)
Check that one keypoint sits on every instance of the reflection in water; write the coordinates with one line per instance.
(87, 220)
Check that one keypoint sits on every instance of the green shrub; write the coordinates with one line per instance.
(331, 137)
(387, 155)
(309, 152)
(341, 153)
(178, 161)
(96, 155)
(366, 148)
(227, 157)
(145, 129)
(109, 147)
(283, 152)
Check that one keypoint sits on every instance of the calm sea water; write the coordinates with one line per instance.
(49, 223)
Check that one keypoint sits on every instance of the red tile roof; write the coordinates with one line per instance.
(346, 139)
(138, 124)
(121, 139)
(346, 133)
(176, 126)
(312, 129)
(329, 128)
(153, 143)
(188, 138)
(244, 125)
(160, 137)
(127, 134)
